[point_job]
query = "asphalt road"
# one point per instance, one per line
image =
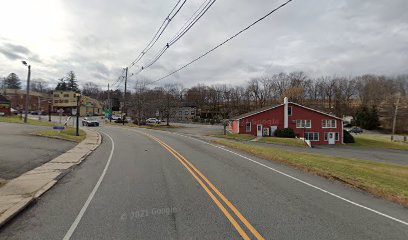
(21, 152)
(166, 186)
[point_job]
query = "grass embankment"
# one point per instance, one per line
(66, 134)
(242, 137)
(375, 141)
(389, 181)
(283, 141)
(273, 140)
(17, 119)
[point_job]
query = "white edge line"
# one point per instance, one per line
(91, 195)
(299, 180)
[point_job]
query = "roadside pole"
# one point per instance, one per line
(394, 121)
(124, 99)
(78, 95)
(49, 111)
(109, 106)
(27, 92)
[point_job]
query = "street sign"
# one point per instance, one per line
(74, 111)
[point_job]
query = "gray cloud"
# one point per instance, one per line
(18, 52)
(332, 37)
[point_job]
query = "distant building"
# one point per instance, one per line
(308, 123)
(67, 101)
(184, 114)
(38, 101)
(5, 106)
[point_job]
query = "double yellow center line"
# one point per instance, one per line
(201, 179)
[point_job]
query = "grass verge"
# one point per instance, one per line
(242, 137)
(374, 141)
(66, 134)
(17, 119)
(283, 141)
(389, 181)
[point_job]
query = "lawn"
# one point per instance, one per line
(17, 119)
(389, 181)
(377, 141)
(66, 134)
(242, 137)
(283, 141)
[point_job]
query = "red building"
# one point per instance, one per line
(313, 125)
(4, 106)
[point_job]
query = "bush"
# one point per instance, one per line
(347, 137)
(285, 133)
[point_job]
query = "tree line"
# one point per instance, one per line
(338, 95)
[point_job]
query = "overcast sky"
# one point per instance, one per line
(96, 38)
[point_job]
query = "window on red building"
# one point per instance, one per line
(248, 127)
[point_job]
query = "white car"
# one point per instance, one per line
(153, 120)
(115, 117)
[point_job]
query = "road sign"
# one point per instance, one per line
(74, 111)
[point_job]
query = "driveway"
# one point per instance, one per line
(21, 152)
(196, 129)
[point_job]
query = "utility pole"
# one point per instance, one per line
(27, 91)
(78, 95)
(109, 106)
(395, 118)
(124, 98)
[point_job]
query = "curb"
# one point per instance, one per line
(18, 193)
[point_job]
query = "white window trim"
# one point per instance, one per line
(250, 127)
(314, 140)
(310, 126)
(327, 120)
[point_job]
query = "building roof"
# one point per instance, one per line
(3, 99)
(248, 114)
(259, 110)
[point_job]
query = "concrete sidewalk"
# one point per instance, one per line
(21, 191)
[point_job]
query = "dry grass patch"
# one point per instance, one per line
(389, 181)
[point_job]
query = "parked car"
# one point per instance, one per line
(114, 117)
(356, 130)
(153, 120)
(90, 121)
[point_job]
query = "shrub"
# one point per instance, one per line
(285, 133)
(348, 138)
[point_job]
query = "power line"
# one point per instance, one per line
(183, 30)
(159, 32)
(224, 42)
(189, 26)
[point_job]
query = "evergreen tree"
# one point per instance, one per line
(71, 81)
(367, 118)
(12, 81)
(62, 85)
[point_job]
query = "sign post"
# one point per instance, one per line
(60, 111)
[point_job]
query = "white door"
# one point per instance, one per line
(273, 129)
(331, 137)
(259, 130)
